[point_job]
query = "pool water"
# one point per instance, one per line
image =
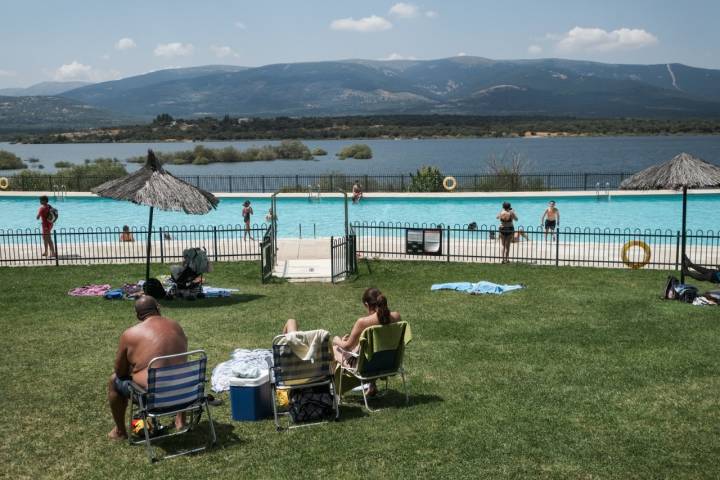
(326, 215)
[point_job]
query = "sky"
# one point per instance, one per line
(83, 40)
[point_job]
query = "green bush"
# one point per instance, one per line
(319, 152)
(201, 155)
(427, 179)
(10, 161)
(76, 178)
(63, 164)
(358, 151)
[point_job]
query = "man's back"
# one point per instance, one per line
(155, 337)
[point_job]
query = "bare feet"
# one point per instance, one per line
(117, 435)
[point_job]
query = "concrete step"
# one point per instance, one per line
(304, 270)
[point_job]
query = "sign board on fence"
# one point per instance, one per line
(423, 241)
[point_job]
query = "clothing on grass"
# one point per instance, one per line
(244, 363)
(478, 288)
(89, 291)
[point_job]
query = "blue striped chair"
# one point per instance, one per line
(172, 388)
(289, 372)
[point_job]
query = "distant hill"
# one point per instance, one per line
(459, 85)
(45, 113)
(44, 88)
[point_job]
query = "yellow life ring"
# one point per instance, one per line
(4, 183)
(636, 243)
(449, 183)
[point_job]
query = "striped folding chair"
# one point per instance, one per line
(290, 373)
(172, 388)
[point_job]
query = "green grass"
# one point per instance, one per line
(585, 374)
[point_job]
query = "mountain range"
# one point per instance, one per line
(42, 89)
(457, 85)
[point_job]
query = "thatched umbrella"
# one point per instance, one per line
(682, 172)
(156, 188)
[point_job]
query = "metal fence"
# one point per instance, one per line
(79, 246)
(343, 257)
(466, 182)
(267, 250)
(567, 247)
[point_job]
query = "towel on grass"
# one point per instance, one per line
(243, 363)
(214, 292)
(478, 288)
(89, 291)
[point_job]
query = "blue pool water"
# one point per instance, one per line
(632, 212)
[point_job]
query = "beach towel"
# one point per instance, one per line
(243, 363)
(89, 291)
(114, 294)
(305, 344)
(215, 292)
(478, 288)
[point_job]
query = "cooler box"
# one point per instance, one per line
(250, 398)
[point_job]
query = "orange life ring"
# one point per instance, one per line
(626, 258)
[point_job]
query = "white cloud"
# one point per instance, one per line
(461, 54)
(397, 56)
(78, 71)
(372, 23)
(7, 73)
(240, 25)
(222, 51)
(174, 49)
(581, 39)
(125, 44)
(431, 14)
(404, 10)
(535, 49)
(105, 56)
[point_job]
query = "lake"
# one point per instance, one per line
(452, 156)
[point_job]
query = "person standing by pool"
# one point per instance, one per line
(247, 211)
(126, 235)
(551, 219)
(47, 218)
(507, 229)
(356, 192)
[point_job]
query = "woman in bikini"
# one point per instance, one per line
(247, 211)
(378, 313)
(507, 229)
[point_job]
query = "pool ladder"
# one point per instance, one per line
(602, 192)
(59, 192)
(313, 193)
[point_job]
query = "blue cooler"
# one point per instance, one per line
(250, 398)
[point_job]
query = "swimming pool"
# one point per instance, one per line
(327, 217)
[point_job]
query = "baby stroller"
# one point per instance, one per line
(186, 280)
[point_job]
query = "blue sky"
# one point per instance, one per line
(99, 40)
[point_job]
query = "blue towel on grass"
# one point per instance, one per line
(476, 288)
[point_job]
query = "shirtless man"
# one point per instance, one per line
(154, 336)
(551, 219)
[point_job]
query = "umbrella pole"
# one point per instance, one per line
(149, 239)
(684, 234)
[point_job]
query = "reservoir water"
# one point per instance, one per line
(452, 156)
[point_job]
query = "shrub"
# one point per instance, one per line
(63, 164)
(359, 151)
(427, 179)
(319, 152)
(76, 177)
(10, 161)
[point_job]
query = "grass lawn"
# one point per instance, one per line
(586, 373)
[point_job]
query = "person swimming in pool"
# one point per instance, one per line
(699, 272)
(507, 229)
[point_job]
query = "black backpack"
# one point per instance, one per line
(154, 288)
(311, 404)
(674, 290)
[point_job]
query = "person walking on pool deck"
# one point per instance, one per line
(378, 313)
(551, 219)
(507, 229)
(47, 221)
(247, 211)
(700, 273)
(154, 336)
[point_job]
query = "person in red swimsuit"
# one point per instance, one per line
(47, 226)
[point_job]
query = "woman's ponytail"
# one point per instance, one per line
(375, 300)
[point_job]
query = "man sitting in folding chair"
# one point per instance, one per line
(154, 336)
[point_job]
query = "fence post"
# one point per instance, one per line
(215, 243)
(585, 182)
(448, 243)
(263, 184)
(557, 248)
(162, 246)
(57, 254)
(677, 249)
(331, 182)
(297, 183)
(402, 182)
(332, 259)
(365, 185)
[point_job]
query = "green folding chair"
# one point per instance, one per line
(380, 356)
